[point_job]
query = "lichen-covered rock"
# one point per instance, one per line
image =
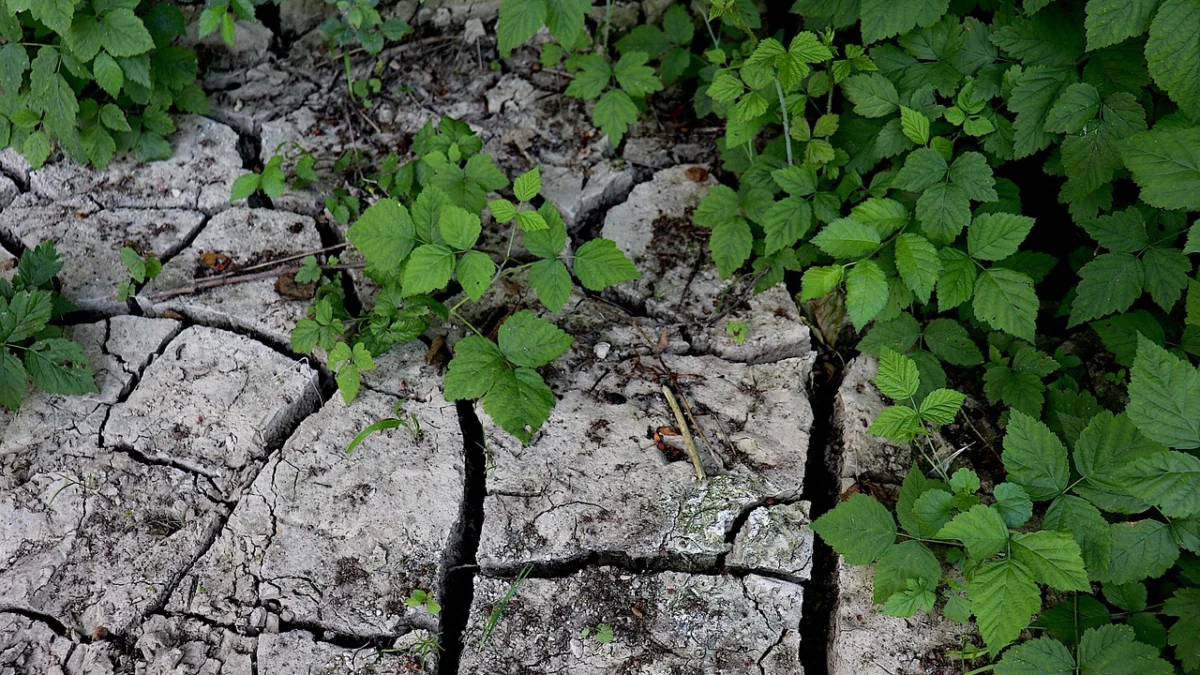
(89, 241)
(171, 645)
(660, 623)
(775, 539)
(214, 404)
(198, 175)
(340, 540)
(232, 240)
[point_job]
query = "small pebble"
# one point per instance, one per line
(601, 350)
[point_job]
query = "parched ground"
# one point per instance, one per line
(200, 515)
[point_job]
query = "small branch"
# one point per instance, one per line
(683, 429)
(218, 282)
(783, 111)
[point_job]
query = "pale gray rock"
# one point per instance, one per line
(775, 539)
(661, 623)
(770, 325)
(171, 645)
(89, 241)
(446, 13)
(251, 43)
(214, 404)
(297, 17)
(865, 641)
(580, 194)
(298, 651)
(29, 647)
(245, 99)
(197, 176)
(14, 165)
(654, 9)
(8, 191)
(340, 540)
(513, 89)
(247, 237)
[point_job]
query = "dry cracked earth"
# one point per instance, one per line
(200, 516)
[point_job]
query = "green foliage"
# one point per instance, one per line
(97, 78)
(31, 346)
(141, 269)
(421, 235)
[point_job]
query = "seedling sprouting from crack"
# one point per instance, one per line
(142, 268)
(602, 633)
(499, 608)
(423, 598)
(409, 421)
(737, 330)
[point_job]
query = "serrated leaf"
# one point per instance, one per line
(1173, 52)
(122, 33)
(108, 74)
(1041, 656)
(1086, 525)
(1119, 232)
(600, 264)
(897, 377)
(635, 76)
(995, 236)
(520, 402)
(1168, 480)
(981, 530)
(956, 284)
(1033, 92)
(918, 596)
(1053, 557)
(898, 423)
(1109, 283)
(914, 486)
(950, 342)
(1165, 163)
(944, 211)
(552, 283)
(1166, 271)
(799, 180)
(384, 233)
(1003, 598)
(1130, 597)
(429, 269)
(1140, 550)
(818, 281)
(972, 173)
(592, 78)
(882, 19)
(923, 168)
(1112, 650)
(475, 271)
(1111, 21)
(1185, 606)
(12, 380)
(476, 366)
(519, 20)
(918, 263)
(531, 221)
(1034, 457)
(614, 113)
(530, 341)
(847, 238)
(1013, 504)
(548, 242)
(786, 222)
(721, 203)
(1075, 107)
(866, 292)
(885, 215)
(1164, 397)
(932, 510)
(859, 529)
(941, 406)
(60, 367)
(730, 244)
(528, 185)
(915, 125)
(902, 562)
(1006, 301)
(873, 94)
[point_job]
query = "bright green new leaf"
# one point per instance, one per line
(786, 222)
(552, 283)
(915, 125)
(528, 185)
(866, 292)
(520, 402)
(548, 242)
(859, 529)
(819, 281)
(530, 341)
(1003, 597)
(918, 263)
(600, 264)
(531, 221)
(476, 366)
(847, 238)
(981, 530)
(475, 271)
(1164, 397)
(503, 211)
(897, 377)
(429, 269)
(384, 233)
(898, 423)
(941, 406)
(1053, 557)
(885, 215)
(1005, 300)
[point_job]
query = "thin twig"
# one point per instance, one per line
(280, 261)
(712, 452)
(683, 429)
(218, 282)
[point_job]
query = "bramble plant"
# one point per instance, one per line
(31, 347)
(421, 235)
(141, 269)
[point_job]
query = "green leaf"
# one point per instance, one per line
(531, 221)
(1111, 21)
(950, 342)
(872, 94)
(552, 283)
(1034, 457)
(384, 233)
(1041, 656)
(592, 78)
(885, 215)
(1109, 283)
(918, 596)
(25, 315)
(944, 211)
(59, 367)
(786, 222)
(429, 269)
(1166, 275)
(36, 149)
(847, 238)
(1112, 650)
(1086, 525)
(972, 173)
(1130, 597)
(941, 406)
(614, 113)
(124, 34)
(634, 76)
(476, 366)
(897, 377)
(1168, 480)
(981, 530)
(915, 125)
(798, 180)
(482, 171)
(731, 244)
(1164, 397)
(902, 562)
(98, 145)
(565, 19)
(1013, 503)
(1140, 550)
(898, 423)
(475, 271)
(1034, 90)
(113, 118)
(1119, 232)
(866, 292)
(1006, 301)
(1105, 446)
(530, 341)
(520, 402)
(1165, 163)
(1173, 51)
(12, 380)
(528, 185)
(246, 185)
(923, 168)
(915, 485)
(819, 281)
(918, 263)
(995, 236)
(503, 211)
(1003, 597)
(56, 14)
(859, 529)
(956, 284)
(1185, 606)
(1075, 107)
(726, 87)
(883, 19)
(1053, 557)
(600, 264)
(460, 228)
(108, 74)
(719, 205)
(933, 509)
(548, 242)
(519, 20)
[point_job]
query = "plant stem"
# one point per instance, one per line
(787, 129)
(985, 669)
(466, 323)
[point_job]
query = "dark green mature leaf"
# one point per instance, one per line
(519, 20)
(882, 19)
(1165, 163)
(1069, 619)
(476, 366)
(786, 222)
(972, 173)
(1119, 232)
(551, 281)
(1074, 108)
(12, 380)
(520, 402)
(59, 366)
(956, 284)
(25, 315)
(1042, 656)
(1112, 650)
(914, 485)
(873, 94)
(1164, 397)
(1003, 598)
(918, 263)
(731, 244)
(1006, 301)
(475, 271)
(1087, 526)
(1013, 503)
(1120, 333)
(981, 530)
(923, 168)
(1105, 447)
(1034, 457)
(1185, 606)
(944, 211)
(614, 113)
(528, 340)
(906, 560)
(1111, 21)
(429, 269)
(1169, 480)
(899, 334)
(1140, 550)
(950, 342)
(996, 236)
(932, 510)
(859, 529)
(1053, 557)
(1130, 597)
(1173, 51)
(885, 215)
(1110, 283)
(1034, 90)
(1167, 272)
